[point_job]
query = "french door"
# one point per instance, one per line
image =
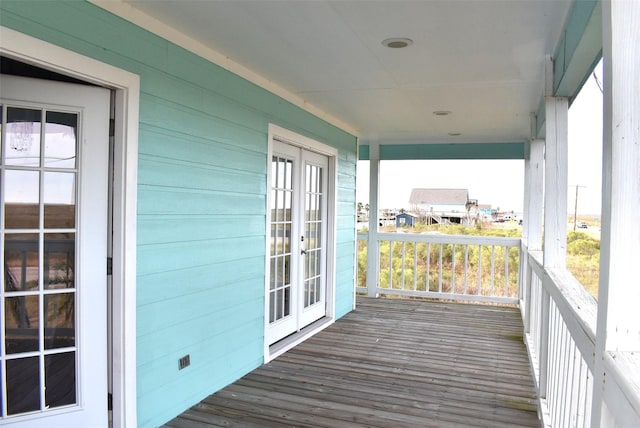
(297, 274)
(53, 238)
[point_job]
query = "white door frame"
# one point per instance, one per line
(126, 85)
(298, 140)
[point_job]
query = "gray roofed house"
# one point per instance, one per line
(439, 196)
(441, 205)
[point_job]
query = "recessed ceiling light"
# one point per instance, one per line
(442, 112)
(397, 42)
(455, 134)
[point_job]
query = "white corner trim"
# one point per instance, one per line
(34, 51)
(155, 26)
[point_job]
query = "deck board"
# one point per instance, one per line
(390, 363)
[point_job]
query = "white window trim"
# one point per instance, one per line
(282, 134)
(127, 89)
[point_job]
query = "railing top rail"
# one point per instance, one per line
(449, 239)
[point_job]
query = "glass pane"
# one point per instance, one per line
(274, 204)
(272, 274)
(287, 238)
(287, 302)
(273, 240)
(22, 145)
(60, 379)
(287, 205)
(280, 178)
(59, 322)
(21, 324)
(22, 196)
(59, 200)
(279, 303)
(59, 260)
(279, 272)
(60, 134)
(289, 171)
(20, 262)
(23, 385)
(287, 268)
(272, 306)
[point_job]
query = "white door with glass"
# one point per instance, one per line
(53, 229)
(297, 286)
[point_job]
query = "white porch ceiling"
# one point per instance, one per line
(483, 60)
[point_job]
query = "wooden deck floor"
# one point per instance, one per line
(390, 363)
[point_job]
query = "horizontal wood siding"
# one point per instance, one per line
(201, 202)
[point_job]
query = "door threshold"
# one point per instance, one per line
(283, 345)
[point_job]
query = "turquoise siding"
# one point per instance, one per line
(201, 202)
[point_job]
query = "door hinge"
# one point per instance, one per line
(112, 127)
(109, 401)
(109, 265)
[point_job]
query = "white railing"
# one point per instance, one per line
(560, 324)
(460, 267)
(559, 315)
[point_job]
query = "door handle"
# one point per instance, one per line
(303, 252)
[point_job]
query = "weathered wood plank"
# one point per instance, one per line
(400, 363)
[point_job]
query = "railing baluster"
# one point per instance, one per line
(428, 279)
(506, 271)
(493, 267)
(415, 266)
(544, 342)
(453, 268)
(479, 269)
(440, 270)
(391, 244)
(466, 263)
(402, 266)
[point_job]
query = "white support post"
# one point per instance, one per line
(536, 195)
(373, 251)
(555, 167)
(618, 327)
(535, 192)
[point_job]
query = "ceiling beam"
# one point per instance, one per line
(514, 150)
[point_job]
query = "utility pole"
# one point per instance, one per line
(575, 208)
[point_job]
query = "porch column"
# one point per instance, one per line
(618, 328)
(555, 175)
(535, 190)
(555, 208)
(373, 253)
(532, 226)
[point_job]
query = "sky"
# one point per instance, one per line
(500, 183)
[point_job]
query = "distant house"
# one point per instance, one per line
(406, 219)
(484, 211)
(441, 205)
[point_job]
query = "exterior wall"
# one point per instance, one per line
(408, 220)
(201, 202)
(443, 208)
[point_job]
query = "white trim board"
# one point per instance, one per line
(155, 26)
(126, 85)
(284, 135)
